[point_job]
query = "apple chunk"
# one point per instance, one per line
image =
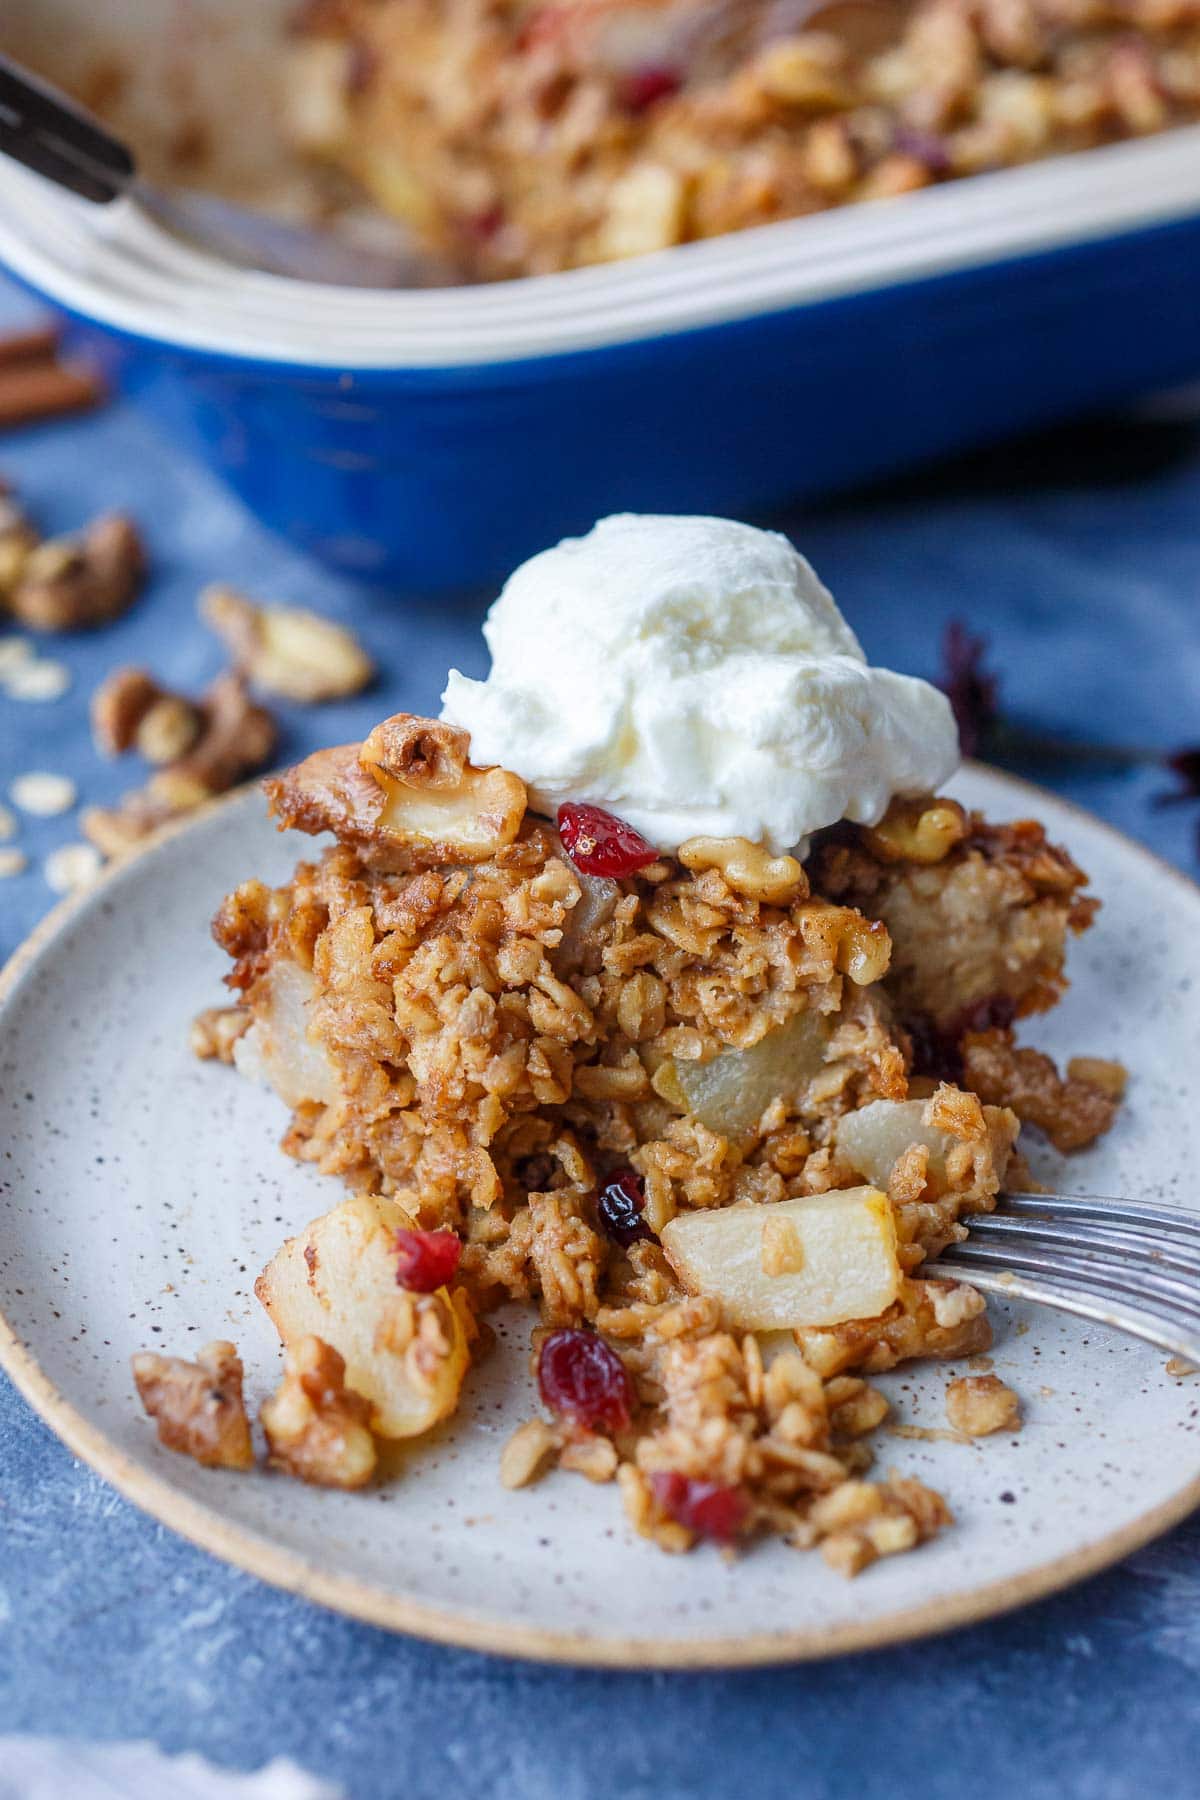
(873, 1138)
(833, 1258)
(406, 1353)
(277, 1049)
(731, 1093)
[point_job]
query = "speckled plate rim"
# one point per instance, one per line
(257, 1555)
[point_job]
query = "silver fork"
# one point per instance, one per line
(1131, 1266)
(58, 139)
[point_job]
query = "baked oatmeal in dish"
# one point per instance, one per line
(654, 987)
(521, 136)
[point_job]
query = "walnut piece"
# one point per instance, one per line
(285, 650)
(748, 869)
(316, 1426)
(198, 1407)
(419, 753)
(130, 711)
(69, 583)
(406, 799)
(981, 1404)
(235, 737)
(920, 831)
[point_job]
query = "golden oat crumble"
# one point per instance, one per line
(488, 1039)
(516, 137)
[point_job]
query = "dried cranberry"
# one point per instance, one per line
(485, 223)
(708, 1508)
(642, 87)
(937, 1049)
(584, 1380)
(622, 1200)
(926, 146)
(600, 844)
(426, 1260)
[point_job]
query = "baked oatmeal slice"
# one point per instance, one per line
(647, 1103)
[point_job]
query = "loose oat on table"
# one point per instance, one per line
(36, 678)
(71, 867)
(42, 793)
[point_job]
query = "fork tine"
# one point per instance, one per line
(1178, 1222)
(1127, 1241)
(1162, 1330)
(1124, 1263)
(1093, 1268)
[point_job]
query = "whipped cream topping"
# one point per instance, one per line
(694, 676)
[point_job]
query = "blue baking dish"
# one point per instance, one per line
(433, 438)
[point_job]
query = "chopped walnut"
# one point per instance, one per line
(286, 650)
(748, 869)
(131, 711)
(405, 799)
(66, 584)
(981, 1404)
(235, 737)
(920, 831)
(317, 1428)
(198, 1407)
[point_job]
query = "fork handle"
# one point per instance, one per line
(50, 134)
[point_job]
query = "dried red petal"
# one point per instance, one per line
(708, 1508)
(599, 843)
(970, 686)
(583, 1379)
(620, 1205)
(426, 1260)
(643, 87)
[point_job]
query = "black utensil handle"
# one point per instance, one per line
(50, 134)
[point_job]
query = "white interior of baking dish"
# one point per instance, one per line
(206, 72)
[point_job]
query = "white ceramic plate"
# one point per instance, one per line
(142, 1191)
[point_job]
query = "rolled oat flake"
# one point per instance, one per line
(72, 866)
(37, 680)
(43, 793)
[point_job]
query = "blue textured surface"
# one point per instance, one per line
(1081, 558)
(439, 477)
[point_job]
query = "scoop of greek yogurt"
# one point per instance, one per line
(695, 677)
